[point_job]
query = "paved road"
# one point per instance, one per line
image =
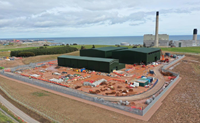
(8, 116)
(16, 111)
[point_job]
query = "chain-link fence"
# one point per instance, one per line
(28, 106)
(72, 92)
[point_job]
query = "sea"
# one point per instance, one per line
(113, 40)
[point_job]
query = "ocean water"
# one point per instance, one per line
(105, 40)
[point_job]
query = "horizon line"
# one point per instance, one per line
(90, 37)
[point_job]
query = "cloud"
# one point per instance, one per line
(43, 15)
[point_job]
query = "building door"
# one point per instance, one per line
(156, 58)
(179, 44)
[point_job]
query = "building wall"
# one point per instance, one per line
(130, 57)
(152, 57)
(92, 53)
(152, 37)
(186, 43)
(160, 43)
(90, 65)
(98, 53)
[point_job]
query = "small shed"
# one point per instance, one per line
(142, 82)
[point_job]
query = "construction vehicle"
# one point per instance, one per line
(163, 59)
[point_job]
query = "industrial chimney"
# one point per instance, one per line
(195, 35)
(156, 33)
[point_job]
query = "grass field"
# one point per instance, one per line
(4, 118)
(174, 49)
(77, 46)
(183, 49)
(39, 94)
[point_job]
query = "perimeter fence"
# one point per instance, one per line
(81, 95)
(73, 92)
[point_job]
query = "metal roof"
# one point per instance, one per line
(110, 48)
(142, 50)
(87, 58)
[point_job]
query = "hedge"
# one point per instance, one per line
(26, 54)
(44, 51)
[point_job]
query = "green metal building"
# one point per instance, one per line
(103, 52)
(137, 55)
(98, 64)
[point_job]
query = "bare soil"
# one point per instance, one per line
(25, 61)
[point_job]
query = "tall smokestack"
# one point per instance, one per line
(156, 33)
(195, 35)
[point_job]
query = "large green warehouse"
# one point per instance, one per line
(137, 55)
(103, 52)
(98, 64)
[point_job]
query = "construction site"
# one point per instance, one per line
(134, 85)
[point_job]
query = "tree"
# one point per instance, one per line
(93, 46)
(118, 45)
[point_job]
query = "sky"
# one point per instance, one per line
(96, 18)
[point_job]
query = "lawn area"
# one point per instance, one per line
(16, 48)
(4, 118)
(96, 46)
(174, 49)
(183, 49)
(10, 48)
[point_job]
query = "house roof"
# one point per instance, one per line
(87, 58)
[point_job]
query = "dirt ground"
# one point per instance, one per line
(25, 61)
(181, 105)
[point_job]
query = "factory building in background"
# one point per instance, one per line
(157, 39)
(162, 40)
(149, 40)
(188, 43)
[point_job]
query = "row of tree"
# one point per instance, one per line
(43, 51)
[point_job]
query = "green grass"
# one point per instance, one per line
(14, 48)
(96, 46)
(39, 94)
(183, 49)
(77, 46)
(174, 49)
(4, 118)
(10, 113)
